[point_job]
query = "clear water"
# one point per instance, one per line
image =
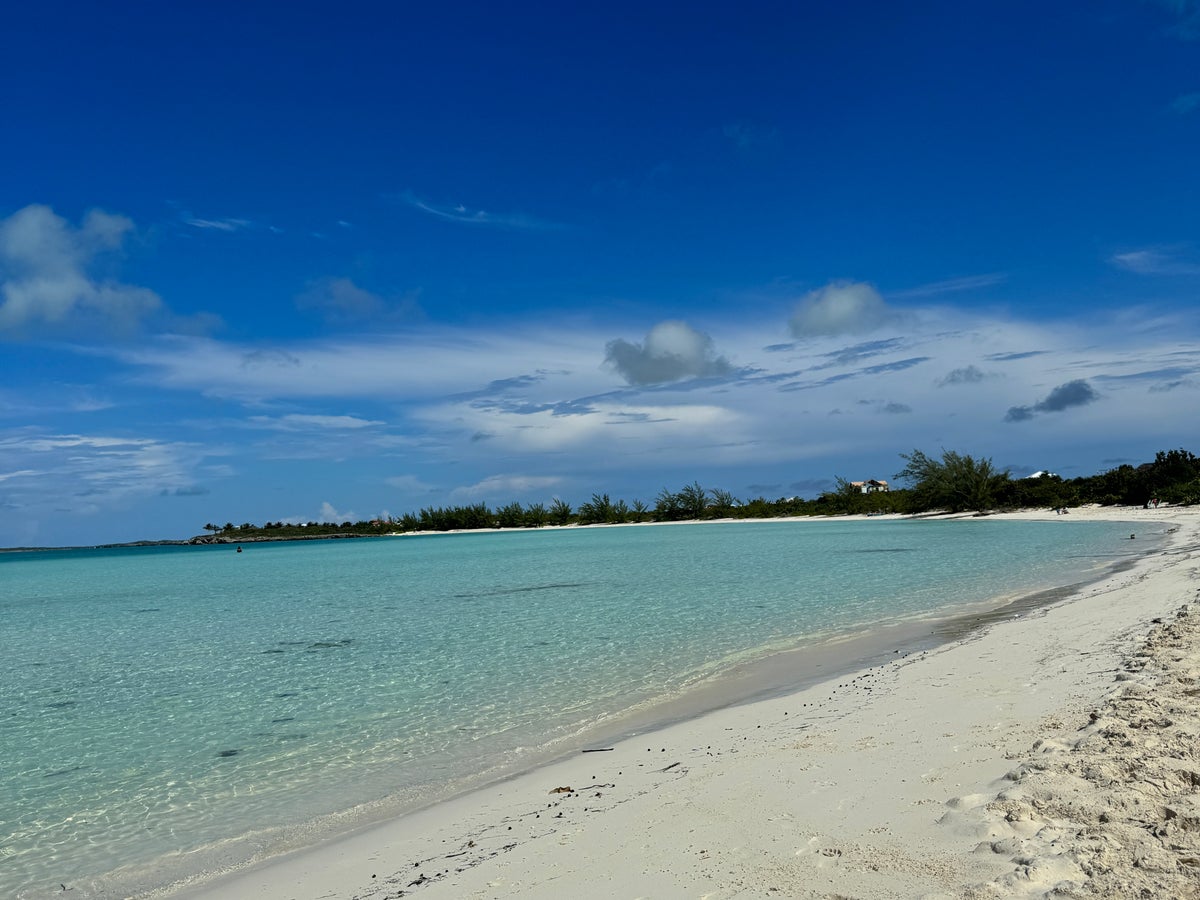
(155, 701)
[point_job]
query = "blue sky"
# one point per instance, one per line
(327, 261)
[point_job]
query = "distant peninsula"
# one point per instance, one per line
(953, 482)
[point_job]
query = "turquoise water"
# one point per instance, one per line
(156, 701)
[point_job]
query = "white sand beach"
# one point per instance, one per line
(1052, 753)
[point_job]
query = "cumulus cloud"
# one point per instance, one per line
(671, 351)
(841, 307)
(966, 375)
(1065, 396)
(340, 298)
(330, 514)
(342, 302)
(46, 271)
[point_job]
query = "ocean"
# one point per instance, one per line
(165, 710)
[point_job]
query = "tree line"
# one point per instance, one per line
(951, 482)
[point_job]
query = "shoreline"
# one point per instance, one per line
(514, 838)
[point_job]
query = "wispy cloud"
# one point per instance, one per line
(1172, 260)
(415, 364)
(858, 352)
(20, 473)
(412, 484)
(951, 286)
(466, 215)
(303, 422)
(194, 490)
(226, 225)
(1186, 14)
(746, 136)
(55, 470)
(506, 486)
(1015, 355)
(1166, 386)
(898, 365)
(1185, 104)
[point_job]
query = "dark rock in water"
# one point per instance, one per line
(62, 772)
(229, 753)
(330, 645)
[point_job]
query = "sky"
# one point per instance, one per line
(327, 262)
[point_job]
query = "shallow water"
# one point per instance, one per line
(159, 700)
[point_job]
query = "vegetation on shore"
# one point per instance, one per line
(954, 482)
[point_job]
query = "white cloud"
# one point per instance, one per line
(1157, 261)
(409, 483)
(487, 409)
(58, 469)
(606, 434)
(304, 422)
(419, 363)
(330, 514)
(45, 276)
(672, 350)
(226, 225)
(21, 473)
(841, 307)
(505, 487)
(471, 216)
(952, 286)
